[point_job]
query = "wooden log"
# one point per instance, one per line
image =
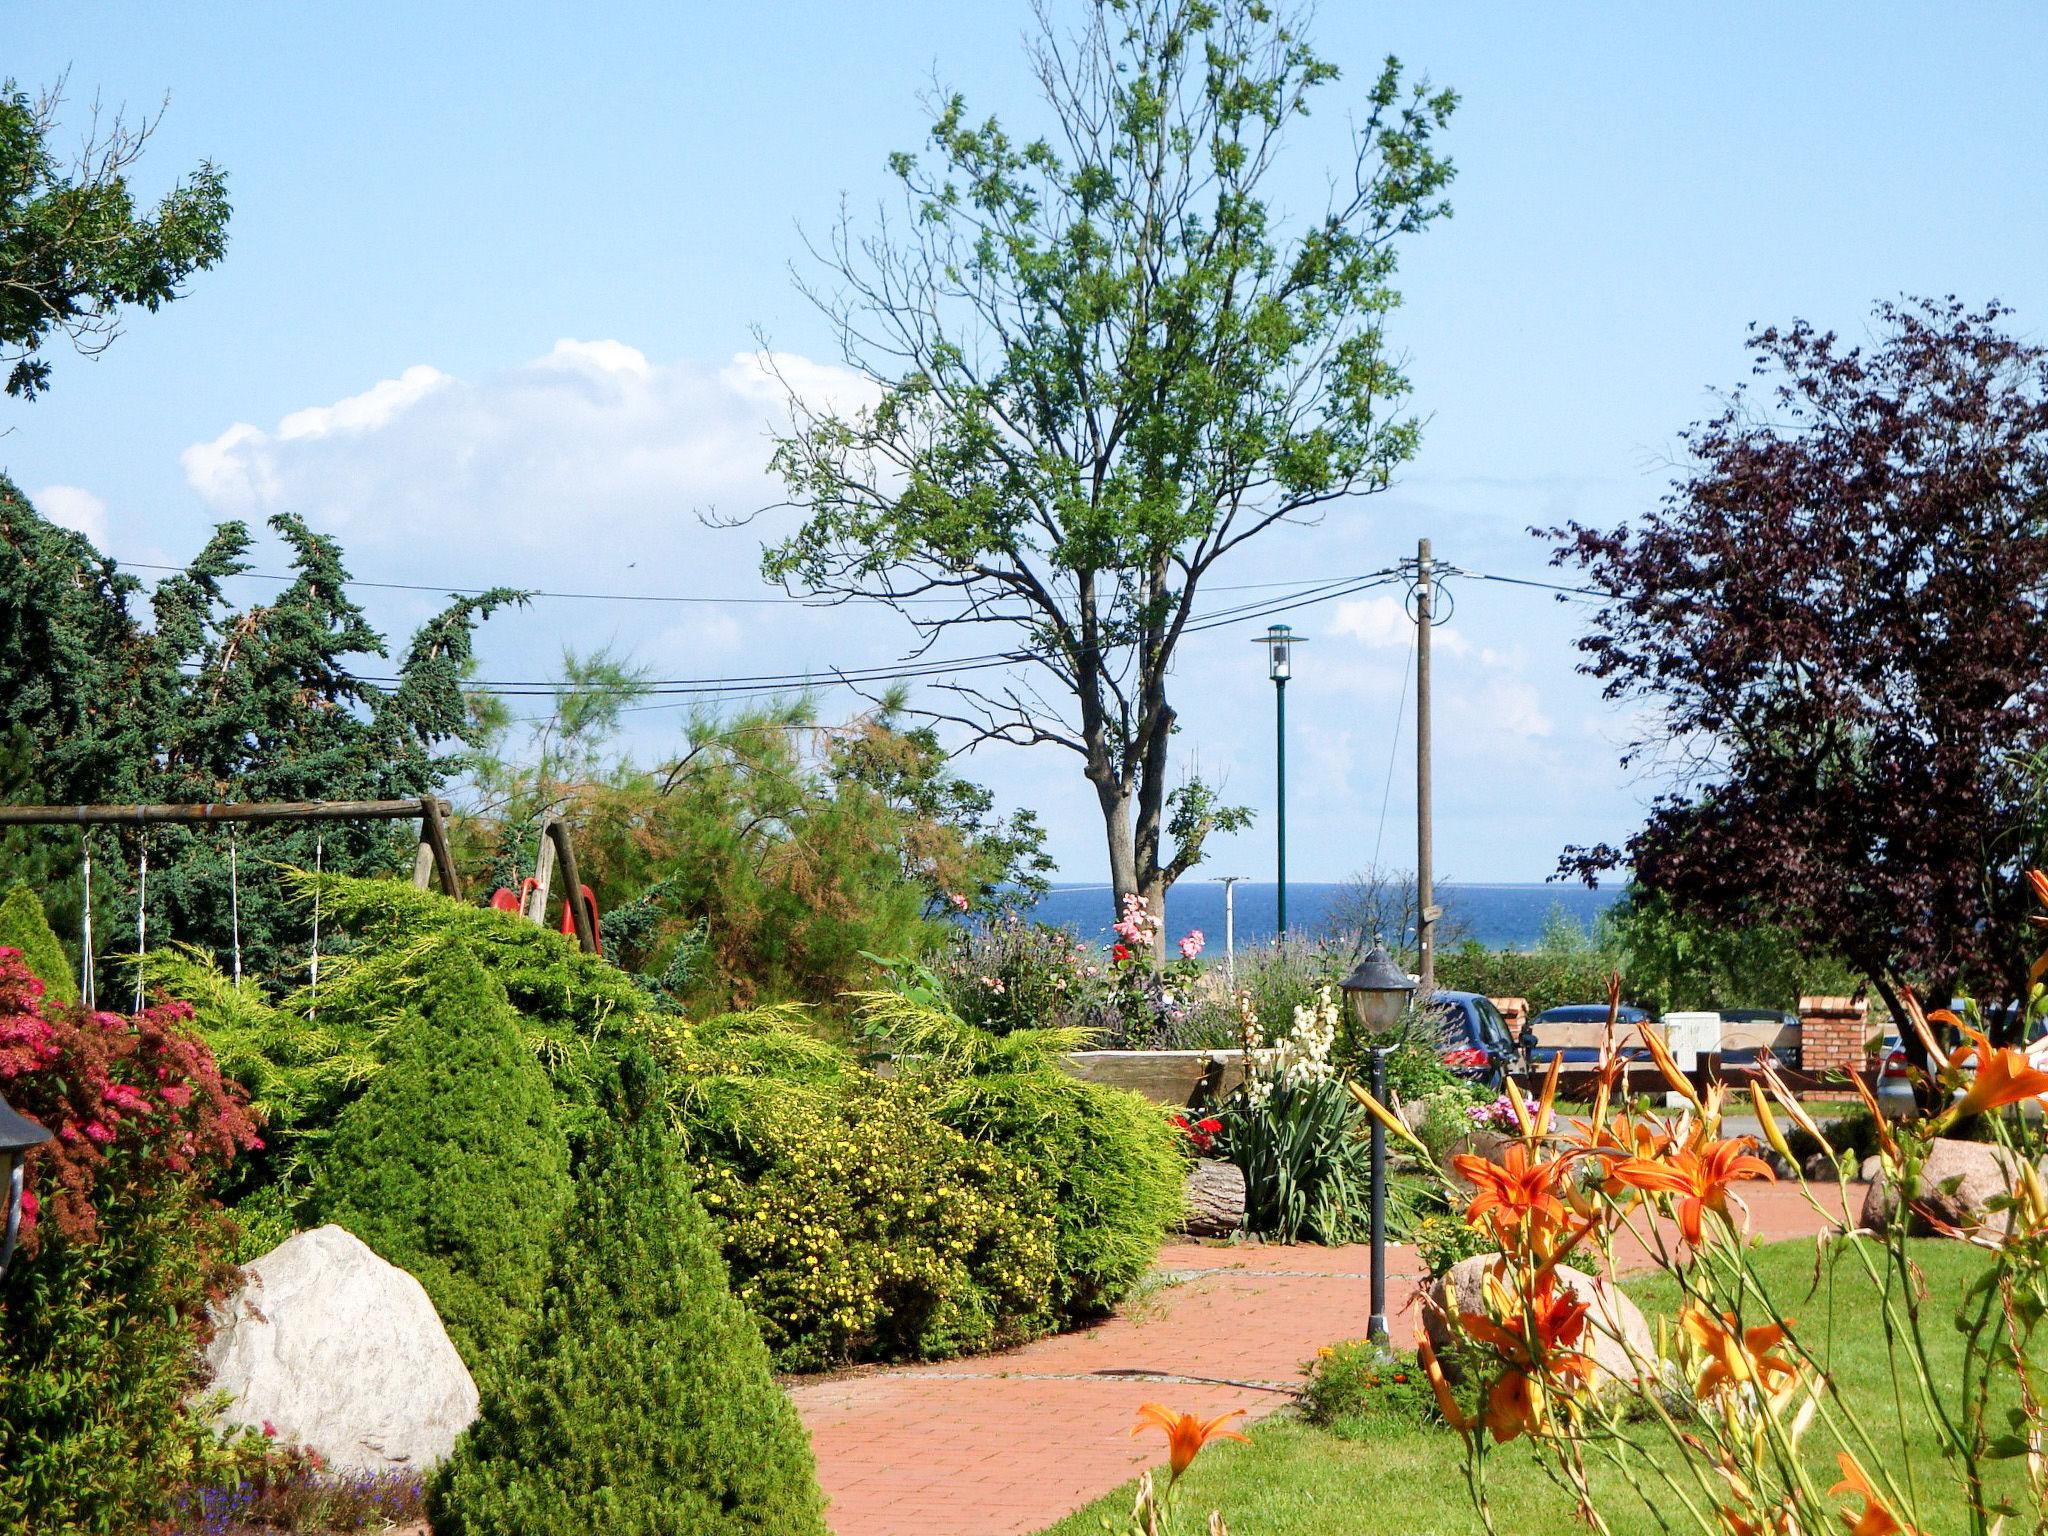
(1215, 1199)
(436, 833)
(579, 910)
(214, 811)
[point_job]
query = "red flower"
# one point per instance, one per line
(1118, 954)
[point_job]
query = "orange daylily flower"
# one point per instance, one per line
(1186, 1433)
(1876, 1519)
(1446, 1402)
(1623, 1139)
(1737, 1359)
(1533, 1335)
(2004, 1076)
(1668, 1065)
(1513, 1192)
(1699, 1175)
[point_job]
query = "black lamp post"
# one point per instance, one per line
(1377, 994)
(17, 1134)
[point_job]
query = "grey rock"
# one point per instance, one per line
(1958, 1181)
(342, 1353)
(1215, 1199)
(1617, 1334)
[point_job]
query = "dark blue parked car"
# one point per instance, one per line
(1588, 1056)
(1477, 1043)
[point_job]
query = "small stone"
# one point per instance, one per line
(333, 1349)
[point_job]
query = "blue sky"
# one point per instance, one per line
(488, 311)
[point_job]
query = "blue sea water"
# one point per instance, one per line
(1498, 916)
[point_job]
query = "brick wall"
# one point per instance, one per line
(1515, 1010)
(1834, 1033)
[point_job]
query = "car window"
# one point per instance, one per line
(1492, 1027)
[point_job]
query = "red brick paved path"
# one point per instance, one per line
(1005, 1445)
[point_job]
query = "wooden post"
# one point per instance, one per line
(437, 839)
(423, 861)
(543, 875)
(579, 911)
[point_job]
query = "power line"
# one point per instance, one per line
(1524, 581)
(801, 600)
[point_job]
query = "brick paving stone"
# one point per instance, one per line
(1004, 1445)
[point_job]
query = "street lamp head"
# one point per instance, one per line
(1279, 641)
(1377, 992)
(18, 1134)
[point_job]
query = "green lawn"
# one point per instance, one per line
(1297, 1480)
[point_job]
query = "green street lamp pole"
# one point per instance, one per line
(1280, 641)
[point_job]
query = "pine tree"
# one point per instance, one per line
(24, 926)
(641, 1404)
(453, 1165)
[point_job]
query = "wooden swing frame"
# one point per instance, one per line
(435, 858)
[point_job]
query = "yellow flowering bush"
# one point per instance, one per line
(857, 1227)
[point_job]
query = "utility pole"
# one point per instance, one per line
(1230, 926)
(1427, 912)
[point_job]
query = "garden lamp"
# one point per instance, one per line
(1377, 992)
(17, 1134)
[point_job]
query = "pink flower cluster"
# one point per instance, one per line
(1191, 944)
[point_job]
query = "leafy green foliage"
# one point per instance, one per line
(770, 856)
(1306, 1162)
(202, 703)
(1110, 1160)
(452, 1165)
(858, 1227)
(641, 1402)
(577, 1012)
(75, 249)
(1677, 960)
(1104, 360)
(24, 927)
(1358, 1388)
(1568, 965)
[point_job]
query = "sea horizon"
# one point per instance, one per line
(1501, 914)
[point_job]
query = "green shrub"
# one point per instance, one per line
(24, 926)
(1852, 1134)
(641, 1403)
(452, 1165)
(1360, 1388)
(857, 1227)
(1306, 1161)
(1442, 1238)
(1110, 1159)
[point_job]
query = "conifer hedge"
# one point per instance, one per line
(640, 1404)
(24, 926)
(453, 1164)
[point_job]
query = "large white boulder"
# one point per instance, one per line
(1958, 1182)
(336, 1350)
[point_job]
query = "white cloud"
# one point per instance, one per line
(1384, 623)
(591, 457)
(74, 507)
(377, 406)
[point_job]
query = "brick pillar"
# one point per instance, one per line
(1834, 1034)
(1515, 1010)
